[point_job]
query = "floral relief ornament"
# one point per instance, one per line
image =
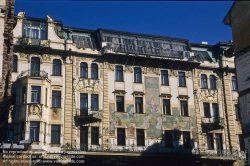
(35, 110)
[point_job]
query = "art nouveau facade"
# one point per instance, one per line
(111, 93)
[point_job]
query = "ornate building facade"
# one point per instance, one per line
(123, 98)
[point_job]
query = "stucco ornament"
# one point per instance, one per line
(35, 109)
(128, 68)
(208, 95)
(26, 56)
(173, 72)
(111, 66)
(21, 14)
(156, 71)
(46, 57)
(49, 18)
(88, 85)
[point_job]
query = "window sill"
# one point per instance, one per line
(138, 82)
(185, 116)
(164, 84)
(182, 86)
(120, 112)
(167, 115)
(235, 90)
(55, 144)
(56, 75)
(15, 72)
(119, 81)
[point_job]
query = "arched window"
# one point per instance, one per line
(35, 66)
(84, 70)
(212, 82)
(57, 67)
(94, 71)
(203, 81)
(14, 65)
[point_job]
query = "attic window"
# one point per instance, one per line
(84, 41)
(35, 30)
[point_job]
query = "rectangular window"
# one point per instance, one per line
(94, 102)
(120, 103)
(215, 110)
(219, 145)
(35, 94)
(168, 139)
(140, 137)
(186, 139)
(44, 136)
(55, 134)
(121, 137)
(137, 75)
(203, 81)
(56, 99)
(11, 132)
(210, 141)
(84, 135)
(83, 104)
(184, 108)
(95, 135)
(34, 131)
(166, 107)
(24, 95)
(164, 77)
(234, 83)
(119, 73)
(182, 79)
(138, 105)
(212, 82)
(46, 93)
(35, 30)
(237, 113)
(241, 142)
(207, 113)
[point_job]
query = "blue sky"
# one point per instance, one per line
(192, 20)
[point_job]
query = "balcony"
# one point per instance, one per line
(33, 73)
(86, 116)
(212, 122)
(34, 42)
(148, 51)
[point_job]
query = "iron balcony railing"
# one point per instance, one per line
(34, 42)
(87, 112)
(33, 73)
(212, 120)
(149, 51)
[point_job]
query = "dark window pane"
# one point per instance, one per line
(166, 107)
(140, 137)
(83, 104)
(14, 65)
(207, 113)
(186, 139)
(56, 67)
(94, 71)
(56, 99)
(119, 103)
(184, 108)
(84, 135)
(55, 134)
(34, 131)
(94, 102)
(203, 81)
(234, 83)
(119, 73)
(138, 105)
(212, 82)
(137, 74)
(164, 77)
(84, 70)
(215, 110)
(182, 79)
(168, 139)
(94, 135)
(121, 137)
(35, 94)
(210, 142)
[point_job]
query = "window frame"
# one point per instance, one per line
(139, 105)
(207, 113)
(35, 66)
(204, 83)
(37, 96)
(140, 137)
(120, 104)
(185, 108)
(234, 83)
(94, 98)
(119, 73)
(168, 135)
(15, 63)
(36, 132)
(210, 141)
(212, 80)
(54, 134)
(57, 67)
(217, 111)
(137, 75)
(94, 71)
(95, 136)
(121, 137)
(56, 96)
(39, 29)
(164, 76)
(182, 79)
(166, 106)
(83, 70)
(186, 143)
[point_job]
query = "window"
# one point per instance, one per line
(83, 104)
(46, 95)
(210, 142)
(121, 137)
(95, 135)
(84, 135)
(94, 102)
(14, 65)
(140, 137)
(137, 75)
(164, 77)
(168, 139)
(56, 99)
(219, 145)
(35, 30)
(34, 131)
(44, 134)
(207, 113)
(234, 83)
(119, 73)
(215, 110)
(184, 108)
(35, 66)
(138, 105)
(84, 70)
(94, 71)
(24, 95)
(186, 139)
(35, 94)
(212, 82)
(120, 103)
(11, 132)
(57, 67)
(55, 134)
(166, 107)
(241, 142)
(203, 81)
(237, 114)
(182, 79)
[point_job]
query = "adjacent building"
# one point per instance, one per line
(238, 19)
(123, 98)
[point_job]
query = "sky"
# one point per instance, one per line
(193, 20)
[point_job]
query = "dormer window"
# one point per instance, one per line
(35, 30)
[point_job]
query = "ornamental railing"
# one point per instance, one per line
(34, 42)
(148, 51)
(87, 112)
(213, 120)
(33, 73)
